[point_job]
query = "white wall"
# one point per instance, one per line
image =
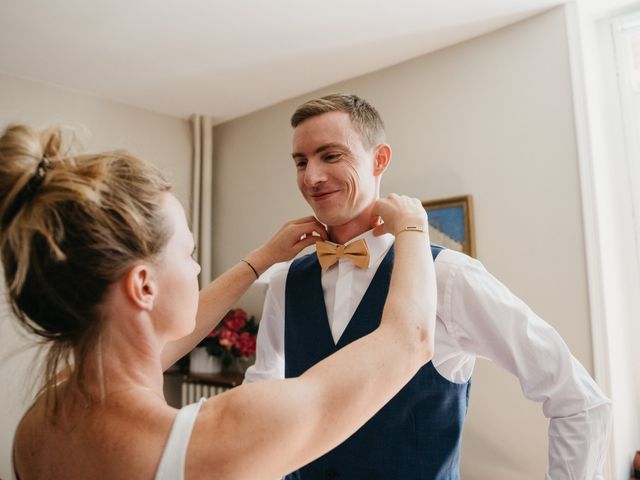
(164, 140)
(491, 117)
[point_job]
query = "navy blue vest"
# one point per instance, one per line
(417, 434)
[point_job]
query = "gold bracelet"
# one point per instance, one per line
(412, 228)
(251, 266)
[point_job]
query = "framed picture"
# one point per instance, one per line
(451, 223)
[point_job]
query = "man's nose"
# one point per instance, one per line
(314, 173)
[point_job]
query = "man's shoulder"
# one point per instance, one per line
(304, 260)
(280, 271)
(448, 260)
(448, 255)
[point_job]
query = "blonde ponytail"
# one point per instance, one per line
(82, 222)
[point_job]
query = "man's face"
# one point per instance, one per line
(335, 171)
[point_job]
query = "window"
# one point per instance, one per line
(606, 71)
(626, 33)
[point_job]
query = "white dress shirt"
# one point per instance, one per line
(477, 316)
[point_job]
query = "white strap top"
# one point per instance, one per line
(172, 462)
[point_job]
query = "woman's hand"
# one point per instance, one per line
(220, 295)
(290, 240)
(398, 212)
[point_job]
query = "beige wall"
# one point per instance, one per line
(164, 140)
(491, 117)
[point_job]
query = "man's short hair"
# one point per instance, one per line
(364, 117)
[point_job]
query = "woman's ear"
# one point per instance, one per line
(381, 159)
(141, 287)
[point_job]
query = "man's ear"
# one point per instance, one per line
(382, 157)
(140, 287)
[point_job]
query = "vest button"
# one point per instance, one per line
(331, 474)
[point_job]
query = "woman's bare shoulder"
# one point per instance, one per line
(84, 444)
(30, 441)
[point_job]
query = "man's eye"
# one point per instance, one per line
(300, 164)
(332, 156)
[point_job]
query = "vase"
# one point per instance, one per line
(239, 365)
(201, 362)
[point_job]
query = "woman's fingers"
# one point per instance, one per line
(306, 242)
(292, 237)
(397, 212)
(307, 227)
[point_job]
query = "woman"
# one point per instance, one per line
(97, 259)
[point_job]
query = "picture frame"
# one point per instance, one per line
(451, 223)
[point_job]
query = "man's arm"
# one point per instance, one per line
(270, 342)
(490, 321)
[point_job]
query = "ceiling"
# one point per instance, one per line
(226, 58)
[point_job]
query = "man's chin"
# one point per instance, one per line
(322, 216)
(334, 222)
(332, 218)
(328, 220)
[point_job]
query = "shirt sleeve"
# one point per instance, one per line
(270, 341)
(491, 322)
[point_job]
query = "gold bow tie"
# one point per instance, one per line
(329, 253)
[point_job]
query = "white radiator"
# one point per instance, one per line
(194, 391)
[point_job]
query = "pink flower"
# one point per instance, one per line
(246, 344)
(228, 338)
(240, 313)
(234, 337)
(234, 323)
(236, 319)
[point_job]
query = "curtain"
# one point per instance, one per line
(202, 193)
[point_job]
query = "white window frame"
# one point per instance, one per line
(609, 157)
(623, 29)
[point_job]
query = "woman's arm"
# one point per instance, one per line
(268, 429)
(220, 295)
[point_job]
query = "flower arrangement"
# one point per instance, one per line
(234, 337)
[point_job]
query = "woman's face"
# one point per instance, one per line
(176, 303)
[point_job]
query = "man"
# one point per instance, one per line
(316, 307)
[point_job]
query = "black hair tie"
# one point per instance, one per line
(28, 191)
